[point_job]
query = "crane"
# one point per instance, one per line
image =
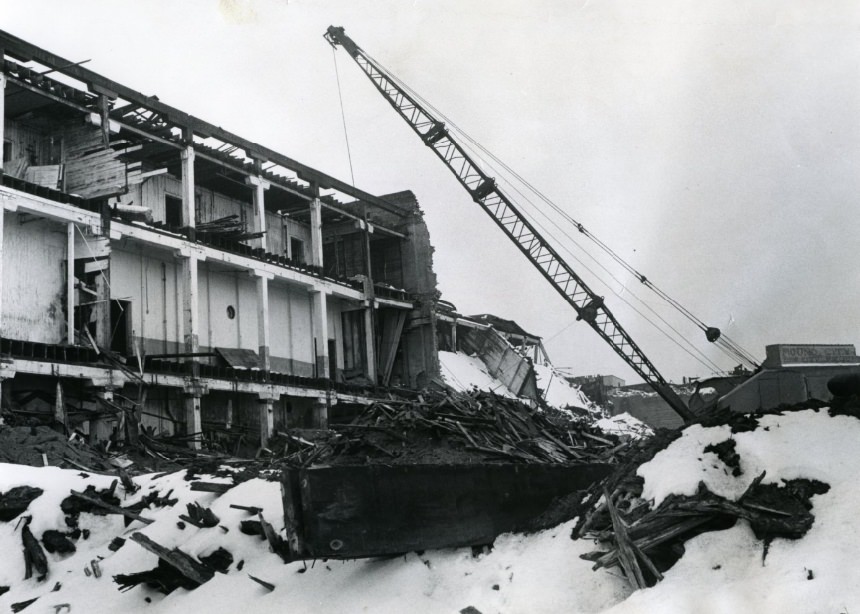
(589, 307)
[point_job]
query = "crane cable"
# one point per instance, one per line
(343, 117)
(726, 344)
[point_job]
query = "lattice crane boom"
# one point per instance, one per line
(483, 189)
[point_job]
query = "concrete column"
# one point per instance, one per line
(70, 283)
(2, 111)
(370, 343)
(320, 318)
(193, 420)
(267, 420)
(188, 198)
(190, 299)
(258, 223)
(263, 321)
(320, 415)
(101, 308)
(316, 233)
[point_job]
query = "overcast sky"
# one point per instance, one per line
(714, 145)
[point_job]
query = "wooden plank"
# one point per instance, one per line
(626, 554)
(211, 487)
(112, 508)
(291, 497)
(187, 566)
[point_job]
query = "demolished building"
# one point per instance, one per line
(159, 269)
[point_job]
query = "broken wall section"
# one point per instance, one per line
(503, 362)
(417, 361)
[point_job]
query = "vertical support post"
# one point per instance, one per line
(188, 199)
(320, 415)
(267, 420)
(70, 283)
(193, 417)
(454, 335)
(263, 321)
(316, 232)
(2, 111)
(260, 186)
(369, 345)
(101, 308)
(320, 318)
(193, 420)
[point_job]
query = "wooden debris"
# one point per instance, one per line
(199, 516)
(276, 543)
(16, 500)
(55, 541)
(34, 556)
(626, 554)
(211, 487)
(268, 585)
(184, 564)
(111, 508)
(469, 427)
(17, 607)
(249, 509)
(645, 541)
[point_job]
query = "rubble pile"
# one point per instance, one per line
(38, 446)
(645, 539)
(452, 428)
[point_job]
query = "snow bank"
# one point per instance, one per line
(464, 373)
(726, 571)
(537, 573)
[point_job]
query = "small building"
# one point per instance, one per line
(161, 270)
(597, 387)
(792, 373)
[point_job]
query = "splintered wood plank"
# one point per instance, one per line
(112, 508)
(626, 554)
(183, 563)
(211, 487)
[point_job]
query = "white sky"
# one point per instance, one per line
(714, 145)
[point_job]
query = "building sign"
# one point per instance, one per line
(783, 355)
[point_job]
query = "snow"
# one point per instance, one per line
(520, 574)
(720, 572)
(464, 373)
(624, 424)
(724, 571)
(557, 391)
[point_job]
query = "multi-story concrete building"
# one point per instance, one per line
(160, 270)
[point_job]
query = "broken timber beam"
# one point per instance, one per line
(113, 508)
(211, 487)
(185, 564)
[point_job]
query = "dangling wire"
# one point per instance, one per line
(343, 116)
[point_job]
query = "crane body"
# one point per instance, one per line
(483, 189)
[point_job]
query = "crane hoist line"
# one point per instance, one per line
(590, 308)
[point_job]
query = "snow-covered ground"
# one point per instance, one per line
(722, 571)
